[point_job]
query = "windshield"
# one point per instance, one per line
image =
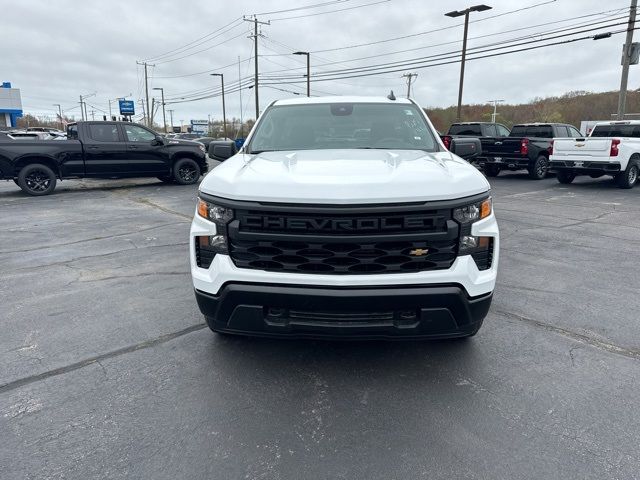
(342, 125)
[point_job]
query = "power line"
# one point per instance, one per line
(306, 7)
(189, 45)
(332, 11)
(419, 60)
(200, 51)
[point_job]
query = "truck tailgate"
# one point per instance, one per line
(505, 146)
(588, 147)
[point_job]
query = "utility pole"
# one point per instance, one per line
(495, 109)
(171, 115)
(308, 71)
(224, 112)
(409, 77)
(255, 59)
(83, 105)
(240, 92)
(146, 89)
(622, 97)
(93, 115)
(475, 8)
(59, 114)
(144, 113)
(152, 112)
(81, 109)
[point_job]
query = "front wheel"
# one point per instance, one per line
(629, 177)
(539, 169)
(565, 177)
(491, 170)
(37, 179)
(186, 171)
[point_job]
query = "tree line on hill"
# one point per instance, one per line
(572, 108)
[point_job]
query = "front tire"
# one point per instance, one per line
(37, 179)
(539, 169)
(629, 177)
(565, 177)
(491, 170)
(186, 171)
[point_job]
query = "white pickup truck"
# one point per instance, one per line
(613, 148)
(345, 217)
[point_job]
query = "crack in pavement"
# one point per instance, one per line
(579, 337)
(90, 239)
(149, 203)
(7, 387)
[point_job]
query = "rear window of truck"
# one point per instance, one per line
(541, 131)
(632, 131)
(471, 129)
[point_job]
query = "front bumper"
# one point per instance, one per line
(437, 311)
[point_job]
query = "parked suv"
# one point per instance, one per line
(345, 217)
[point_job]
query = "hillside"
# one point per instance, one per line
(572, 108)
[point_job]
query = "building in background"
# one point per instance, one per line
(10, 105)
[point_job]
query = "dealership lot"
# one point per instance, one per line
(107, 370)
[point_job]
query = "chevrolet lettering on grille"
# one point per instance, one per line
(268, 222)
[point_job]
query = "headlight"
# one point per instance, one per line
(207, 246)
(480, 248)
(473, 213)
(201, 147)
(216, 213)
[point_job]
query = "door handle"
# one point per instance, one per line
(93, 148)
(132, 147)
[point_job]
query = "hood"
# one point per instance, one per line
(344, 177)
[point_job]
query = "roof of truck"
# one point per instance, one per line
(340, 99)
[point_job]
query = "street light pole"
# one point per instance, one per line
(164, 117)
(171, 116)
(224, 111)
(495, 109)
(308, 71)
(59, 114)
(455, 13)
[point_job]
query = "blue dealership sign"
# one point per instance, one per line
(127, 107)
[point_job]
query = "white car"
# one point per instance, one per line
(314, 229)
(613, 148)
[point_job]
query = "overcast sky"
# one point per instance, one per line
(56, 51)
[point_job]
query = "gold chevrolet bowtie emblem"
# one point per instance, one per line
(418, 252)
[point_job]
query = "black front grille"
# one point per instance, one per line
(344, 257)
(364, 242)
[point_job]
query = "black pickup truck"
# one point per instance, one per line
(474, 130)
(527, 147)
(100, 150)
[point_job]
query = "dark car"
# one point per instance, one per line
(100, 150)
(527, 147)
(474, 130)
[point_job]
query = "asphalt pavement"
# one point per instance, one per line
(107, 370)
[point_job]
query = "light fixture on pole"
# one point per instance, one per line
(164, 117)
(224, 112)
(454, 14)
(308, 71)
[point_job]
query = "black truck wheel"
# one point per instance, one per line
(37, 179)
(539, 169)
(186, 171)
(565, 177)
(629, 177)
(491, 170)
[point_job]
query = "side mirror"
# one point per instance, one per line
(222, 149)
(466, 148)
(157, 141)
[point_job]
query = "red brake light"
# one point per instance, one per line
(614, 147)
(447, 141)
(524, 146)
(550, 149)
